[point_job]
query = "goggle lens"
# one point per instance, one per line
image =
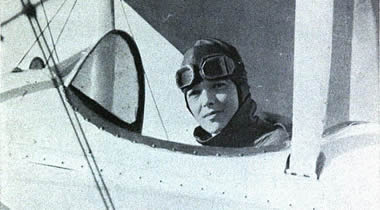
(216, 67)
(185, 76)
(212, 67)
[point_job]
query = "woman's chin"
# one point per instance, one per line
(213, 128)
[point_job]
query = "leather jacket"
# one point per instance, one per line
(245, 129)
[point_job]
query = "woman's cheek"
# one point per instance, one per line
(195, 105)
(221, 97)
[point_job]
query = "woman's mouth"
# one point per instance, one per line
(212, 113)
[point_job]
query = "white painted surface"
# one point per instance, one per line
(365, 73)
(141, 177)
(33, 128)
(312, 59)
(160, 59)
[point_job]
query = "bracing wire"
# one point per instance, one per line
(54, 79)
(39, 35)
(146, 77)
(59, 93)
(85, 139)
(78, 122)
(50, 33)
(126, 17)
(155, 104)
(63, 28)
(93, 157)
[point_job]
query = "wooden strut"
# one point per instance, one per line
(312, 64)
(312, 59)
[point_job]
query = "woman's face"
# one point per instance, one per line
(213, 103)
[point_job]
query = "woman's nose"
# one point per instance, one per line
(208, 98)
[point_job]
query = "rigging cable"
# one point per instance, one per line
(63, 28)
(57, 79)
(85, 139)
(126, 17)
(75, 114)
(147, 79)
(50, 33)
(40, 34)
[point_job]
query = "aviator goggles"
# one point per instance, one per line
(211, 67)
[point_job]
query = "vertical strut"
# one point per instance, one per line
(312, 59)
(365, 77)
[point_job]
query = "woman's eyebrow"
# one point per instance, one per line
(221, 81)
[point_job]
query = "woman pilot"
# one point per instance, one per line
(214, 82)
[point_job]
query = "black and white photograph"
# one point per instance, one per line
(189, 104)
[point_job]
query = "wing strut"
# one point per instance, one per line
(312, 66)
(365, 96)
(312, 59)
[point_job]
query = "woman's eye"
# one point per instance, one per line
(194, 92)
(219, 85)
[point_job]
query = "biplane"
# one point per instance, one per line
(91, 117)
